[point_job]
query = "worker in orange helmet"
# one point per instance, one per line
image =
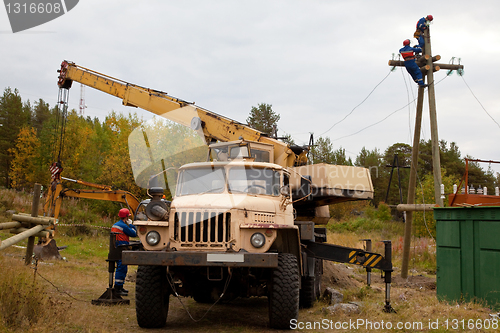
(123, 230)
(422, 24)
(408, 54)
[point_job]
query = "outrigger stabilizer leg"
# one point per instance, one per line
(354, 256)
(110, 296)
(387, 277)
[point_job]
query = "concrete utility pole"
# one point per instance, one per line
(427, 70)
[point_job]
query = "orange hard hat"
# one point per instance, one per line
(124, 212)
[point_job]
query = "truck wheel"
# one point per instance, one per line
(151, 296)
(284, 292)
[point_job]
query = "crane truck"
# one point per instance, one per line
(247, 221)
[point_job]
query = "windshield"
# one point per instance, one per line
(240, 180)
(254, 180)
(201, 180)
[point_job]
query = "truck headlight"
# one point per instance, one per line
(258, 240)
(153, 238)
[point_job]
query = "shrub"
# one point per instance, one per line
(346, 210)
(384, 212)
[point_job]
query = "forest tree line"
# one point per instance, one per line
(97, 151)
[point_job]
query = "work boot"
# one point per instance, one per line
(121, 291)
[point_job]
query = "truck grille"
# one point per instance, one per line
(202, 228)
(263, 218)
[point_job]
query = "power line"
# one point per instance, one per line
(479, 101)
(357, 105)
(378, 122)
(408, 98)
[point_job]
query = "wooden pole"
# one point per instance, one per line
(415, 207)
(9, 225)
(19, 237)
(436, 160)
(34, 213)
(422, 60)
(400, 63)
(412, 184)
(30, 219)
(43, 233)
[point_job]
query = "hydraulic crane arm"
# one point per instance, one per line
(215, 127)
(57, 192)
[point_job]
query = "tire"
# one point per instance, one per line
(284, 292)
(151, 297)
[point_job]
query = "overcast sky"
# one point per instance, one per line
(314, 61)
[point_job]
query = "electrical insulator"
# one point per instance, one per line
(479, 190)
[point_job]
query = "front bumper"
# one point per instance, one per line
(195, 258)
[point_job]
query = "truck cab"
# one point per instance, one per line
(221, 206)
(223, 235)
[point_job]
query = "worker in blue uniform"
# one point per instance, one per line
(123, 230)
(408, 54)
(422, 24)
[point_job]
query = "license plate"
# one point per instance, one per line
(225, 257)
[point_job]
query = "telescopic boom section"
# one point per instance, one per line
(215, 127)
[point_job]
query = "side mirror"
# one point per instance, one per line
(285, 191)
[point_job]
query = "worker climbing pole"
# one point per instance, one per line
(427, 68)
(409, 53)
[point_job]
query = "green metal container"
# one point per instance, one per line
(468, 254)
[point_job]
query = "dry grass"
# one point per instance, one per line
(64, 303)
(76, 281)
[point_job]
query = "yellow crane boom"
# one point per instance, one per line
(215, 127)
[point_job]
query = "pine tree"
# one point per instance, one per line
(263, 118)
(13, 116)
